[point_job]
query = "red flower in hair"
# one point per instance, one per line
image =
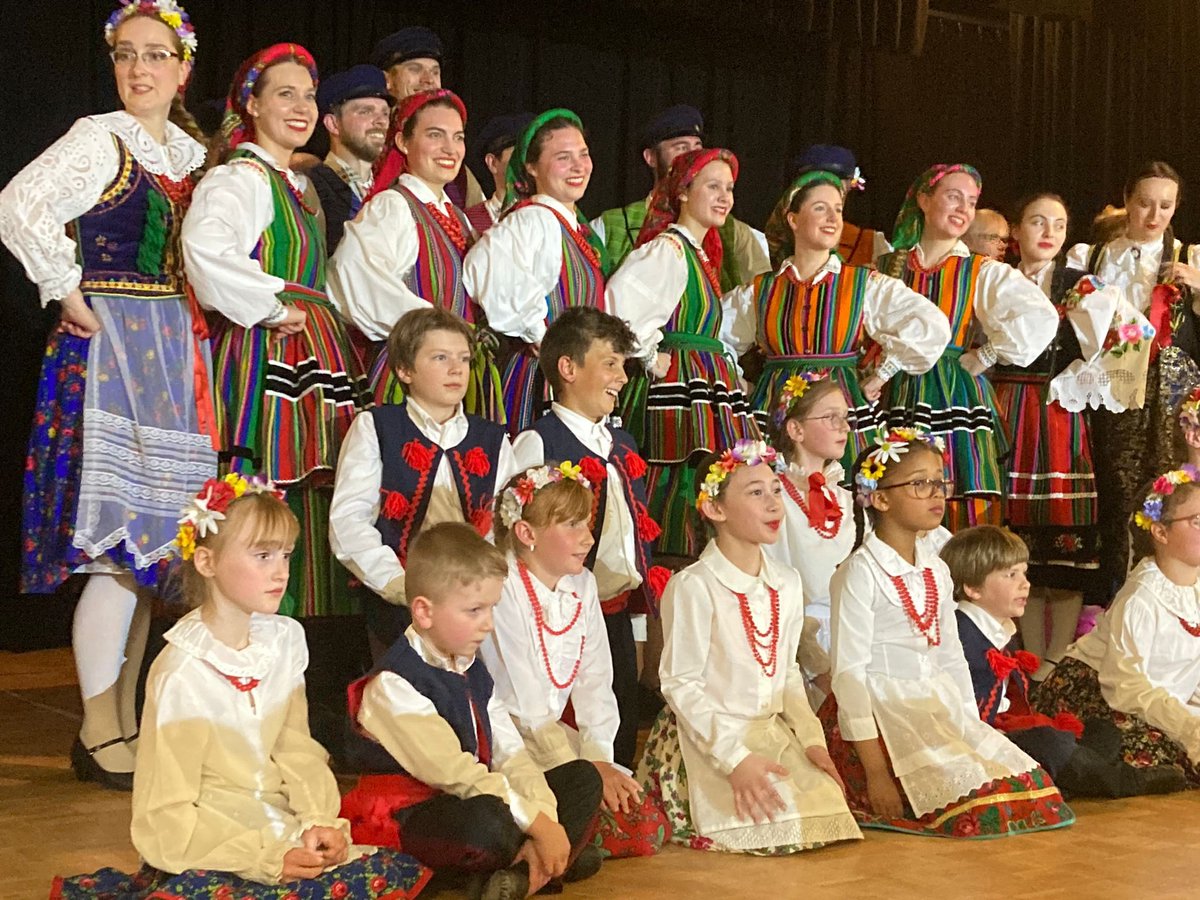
(657, 579)
(222, 494)
(395, 505)
(593, 470)
(476, 462)
(481, 520)
(417, 455)
(634, 465)
(524, 490)
(647, 528)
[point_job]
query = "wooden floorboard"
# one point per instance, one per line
(52, 824)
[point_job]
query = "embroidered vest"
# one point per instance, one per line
(410, 463)
(949, 285)
(580, 282)
(437, 275)
(1064, 349)
(806, 319)
(989, 690)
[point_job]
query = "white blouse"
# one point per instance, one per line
(67, 180)
(231, 208)
(514, 656)
(910, 330)
(890, 682)
(229, 779)
(353, 537)
(515, 264)
(1149, 665)
(1130, 266)
(380, 248)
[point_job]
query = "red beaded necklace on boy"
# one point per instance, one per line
(543, 629)
(826, 530)
(928, 620)
(762, 640)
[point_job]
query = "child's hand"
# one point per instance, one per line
(538, 876)
(551, 845)
(872, 388)
(754, 797)
(621, 793)
(885, 799)
(819, 757)
(329, 842)
(301, 862)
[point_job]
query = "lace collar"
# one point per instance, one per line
(179, 156)
(255, 660)
(1178, 599)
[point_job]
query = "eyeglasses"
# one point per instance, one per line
(833, 420)
(1194, 521)
(152, 59)
(926, 488)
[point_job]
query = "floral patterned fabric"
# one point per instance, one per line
(641, 832)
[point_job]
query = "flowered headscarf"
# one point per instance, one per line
(910, 221)
(239, 124)
(780, 239)
(168, 12)
(393, 162)
(663, 208)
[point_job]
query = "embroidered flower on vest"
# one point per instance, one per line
(417, 455)
(476, 462)
(395, 505)
(593, 469)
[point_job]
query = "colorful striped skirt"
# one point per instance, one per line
(527, 396)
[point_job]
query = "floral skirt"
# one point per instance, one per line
(382, 875)
(1074, 687)
(1006, 806)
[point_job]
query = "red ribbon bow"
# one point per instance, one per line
(1004, 664)
(821, 510)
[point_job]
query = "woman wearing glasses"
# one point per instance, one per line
(814, 313)
(122, 435)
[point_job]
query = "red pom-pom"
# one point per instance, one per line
(1028, 662)
(1065, 721)
(647, 528)
(481, 521)
(476, 462)
(593, 470)
(634, 465)
(657, 578)
(395, 505)
(418, 456)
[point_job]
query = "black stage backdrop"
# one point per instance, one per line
(1065, 94)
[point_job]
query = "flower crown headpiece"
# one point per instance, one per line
(207, 508)
(744, 453)
(1164, 486)
(516, 498)
(888, 449)
(793, 389)
(1189, 410)
(169, 12)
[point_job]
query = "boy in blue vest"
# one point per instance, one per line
(449, 777)
(407, 466)
(583, 359)
(988, 565)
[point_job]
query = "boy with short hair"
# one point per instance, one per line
(582, 357)
(988, 565)
(448, 775)
(407, 466)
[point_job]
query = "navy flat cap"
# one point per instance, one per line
(675, 122)
(354, 83)
(413, 42)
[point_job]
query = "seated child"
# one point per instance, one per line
(904, 728)
(988, 565)
(550, 647)
(449, 777)
(231, 796)
(738, 757)
(407, 466)
(1140, 666)
(583, 359)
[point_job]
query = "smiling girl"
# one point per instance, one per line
(687, 400)
(288, 380)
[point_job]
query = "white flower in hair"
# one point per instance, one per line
(203, 519)
(889, 450)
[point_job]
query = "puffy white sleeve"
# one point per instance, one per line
(912, 331)
(1018, 319)
(646, 289)
(64, 182)
(853, 626)
(1077, 256)
(597, 226)
(231, 208)
(739, 317)
(512, 268)
(366, 274)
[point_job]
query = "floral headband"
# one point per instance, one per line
(169, 12)
(888, 449)
(1189, 410)
(743, 453)
(516, 498)
(207, 508)
(1164, 486)
(793, 389)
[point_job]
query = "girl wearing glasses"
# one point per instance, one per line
(815, 313)
(1140, 666)
(123, 432)
(904, 729)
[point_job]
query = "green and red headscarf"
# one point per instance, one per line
(780, 239)
(393, 162)
(910, 221)
(238, 125)
(663, 208)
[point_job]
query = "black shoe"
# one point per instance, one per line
(1102, 736)
(1162, 780)
(503, 884)
(586, 864)
(87, 769)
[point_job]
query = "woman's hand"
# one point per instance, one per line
(971, 362)
(292, 323)
(329, 842)
(885, 799)
(301, 862)
(820, 758)
(662, 364)
(754, 796)
(77, 317)
(1187, 275)
(872, 388)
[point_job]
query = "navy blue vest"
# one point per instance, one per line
(975, 646)
(559, 443)
(450, 693)
(405, 485)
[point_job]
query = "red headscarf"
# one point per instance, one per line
(663, 208)
(392, 162)
(239, 124)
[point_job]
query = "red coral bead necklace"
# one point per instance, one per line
(927, 623)
(762, 641)
(543, 629)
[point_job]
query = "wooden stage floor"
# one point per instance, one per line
(52, 824)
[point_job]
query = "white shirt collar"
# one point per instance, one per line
(431, 655)
(834, 472)
(998, 631)
(439, 432)
(959, 249)
(1043, 277)
(892, 563)
(831, 266)
(731, 576)
(565, 584)
(493, 207)
(177, 157)
(267, 158)
(594, 435)
(421, 190)
(255, 660)
(547, 200)
(1180, 600)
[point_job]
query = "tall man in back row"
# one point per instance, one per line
(675, 131)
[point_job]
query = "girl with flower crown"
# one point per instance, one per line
(816, 313)
(1140, 666)
(232, 796)
(549, 647)
(288, 380)
(123, 431)
(1186, 430)
(977, 295)
(902, 724)
(737, 757)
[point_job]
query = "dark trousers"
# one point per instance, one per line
(479, 834)
(625, 684)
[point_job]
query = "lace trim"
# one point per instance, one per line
(803, 834)
(175, 159)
